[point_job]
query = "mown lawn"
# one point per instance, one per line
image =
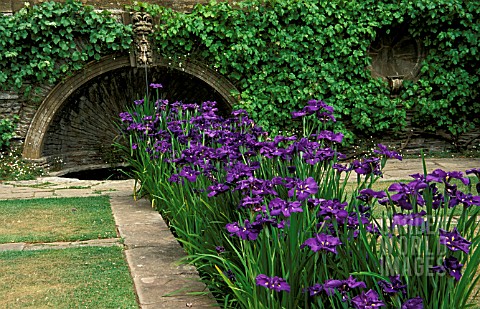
(76, 277)
(87, 277)
(56, 219)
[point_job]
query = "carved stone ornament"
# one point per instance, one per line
(142, 25)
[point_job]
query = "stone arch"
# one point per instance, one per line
(54, 102)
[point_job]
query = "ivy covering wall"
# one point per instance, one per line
(282, 53)
(46, 42)
(279, 54)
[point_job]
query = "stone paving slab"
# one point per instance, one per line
(45, 187)
(18, 246)
(109, 242)
(395, 169)
(153, 256)
(22, 246)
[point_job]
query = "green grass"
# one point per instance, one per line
(56, 219)
(88, 277)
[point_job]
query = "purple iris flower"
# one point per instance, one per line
(367, 166)
(136, 126)
(368, 300)
(352, 283)
(450, 189)
(315, 289)
(394, 286)
(239, 170)
(192, 107)
(279, 138)
(174, 178)
(217, 189)
(162, 146)
(343, 286)
(249, 184)
(156, 86)
(304, 144)
(475, 171)
(454, 241)
(413, 303)
(309, 109)
(440, 176)
(230, 275)
(249, 231)
(327, 154)
(450, 265)
(298, 114)
(340, 167)
(437, 175)
(331, 208)
(220, 249)
(407, 193)
(189, 173)
(331, 285)
(329, 136)
(239, 112)
(274, 283)
(466, 199)
(254, 202)
(138, 102)
(322, 242)
(353, 223)
(383, 150)
(304, 188)
(126, 117)
(276, 181)
(190, 155)
(324, 112)
(458, 175)
(266, 188)
(262, 220)
(366, 195)
(278, 206)
(413, 219)
(267, 149)
(310, 156)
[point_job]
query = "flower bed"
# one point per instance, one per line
(268, 222)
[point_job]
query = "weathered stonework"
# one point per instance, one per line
(74, 124)
(142, 26)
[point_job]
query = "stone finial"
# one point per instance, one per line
(142, 25)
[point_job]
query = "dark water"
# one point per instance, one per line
(117, 173)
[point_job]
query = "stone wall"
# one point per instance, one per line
(15, 104)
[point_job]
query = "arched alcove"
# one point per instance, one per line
(74, 127)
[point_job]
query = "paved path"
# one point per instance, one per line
(402, 169)
(151, 250)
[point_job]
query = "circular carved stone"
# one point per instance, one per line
(396, 56)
